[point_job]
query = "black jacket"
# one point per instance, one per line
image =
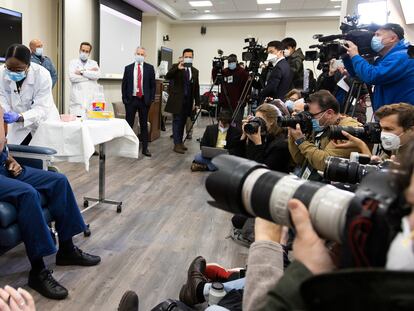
(148, 84)
(209, 138)
(278, 82)
(176, 90)
(296, 65)
(273, 152)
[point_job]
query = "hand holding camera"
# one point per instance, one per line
(352, 142)
(181, 63)
(252, 129)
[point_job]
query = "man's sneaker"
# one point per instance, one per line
(129, 302)
(195, 277)
(46, 285)
(198, 167)
(76, 258)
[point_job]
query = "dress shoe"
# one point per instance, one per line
(179, 149)
(129, 302)
(76, 258)
(184, 147)
(198, 167)
(45, 284)
(146, 153)
(195, 276)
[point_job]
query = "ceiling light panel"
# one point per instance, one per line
(200, 3)
(268, 1)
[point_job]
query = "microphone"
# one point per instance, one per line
(330, 38)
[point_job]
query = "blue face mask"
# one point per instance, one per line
(232, 66)
(289, 104)
(16, 76)
(376, 44)
(316, 126)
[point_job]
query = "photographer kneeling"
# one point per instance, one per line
(265, 142)
(311, 151)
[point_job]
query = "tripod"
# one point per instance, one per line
(219, 81)
(352, 99)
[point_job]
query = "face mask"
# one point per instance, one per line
(223, 129)
(232, 66)
(83, 56)
(390, 141)
(16, 76)
(401, 252)
(139, 59)
(272, 58)
(376, 44)
(289, 104)
(39, 51)
(286, 53)
(188, 60)
(316, 126)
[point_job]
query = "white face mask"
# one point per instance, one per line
(272, 58)
(390, 141)
(286, 53)
(39, 51)
(139, 59)
(83, 56)
(401, 252)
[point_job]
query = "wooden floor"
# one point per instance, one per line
(165, 223)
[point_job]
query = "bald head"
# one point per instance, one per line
(34, 44)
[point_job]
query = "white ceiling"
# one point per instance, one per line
(181, 10)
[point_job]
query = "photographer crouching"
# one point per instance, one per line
(309, 150)
(392, 73)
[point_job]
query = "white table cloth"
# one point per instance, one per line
(75, 141)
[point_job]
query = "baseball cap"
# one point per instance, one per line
(397, 29)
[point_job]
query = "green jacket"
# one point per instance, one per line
(296, 65)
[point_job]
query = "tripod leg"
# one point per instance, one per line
(192, 125)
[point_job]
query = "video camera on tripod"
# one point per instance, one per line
(333, 46)
(218, 62)
(255, 54)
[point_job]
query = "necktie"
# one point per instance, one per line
(139, 86)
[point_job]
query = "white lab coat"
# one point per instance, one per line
(34, 102)
(83, 86)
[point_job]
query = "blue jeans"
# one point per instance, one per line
(24, 193)
(228, 286)
(202, 160)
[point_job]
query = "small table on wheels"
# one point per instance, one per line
(75, 142)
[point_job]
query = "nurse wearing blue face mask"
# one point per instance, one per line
(25, 95)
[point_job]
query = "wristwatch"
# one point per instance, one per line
(299, 141)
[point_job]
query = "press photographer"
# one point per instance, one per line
(279, 76)
(392, 73)
(233, 80)
(309, 150)
(397, 129)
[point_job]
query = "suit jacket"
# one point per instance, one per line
(209, 138)
(279, 82)
(176, 91)
(148, 84)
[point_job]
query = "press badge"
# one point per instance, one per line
(230, 79)
(306, 174)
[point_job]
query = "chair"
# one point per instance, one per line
(37, 157)
(119, 111)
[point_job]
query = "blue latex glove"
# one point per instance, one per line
(11, 117)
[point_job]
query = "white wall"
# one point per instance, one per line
(397, 16)
(40, 20)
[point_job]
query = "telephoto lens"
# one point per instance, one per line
(304, 119)
(252, 126)
(245, 187)
(370, 132)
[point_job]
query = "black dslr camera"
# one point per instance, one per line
(370, 132)
(252, 126)
(304, 119)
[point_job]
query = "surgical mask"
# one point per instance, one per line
(16, 76)
(39, 51)
(316, 125)
(188, 60)
(286, 53)
(139, 59)
(272, 58)
(376, 44)
(232, 66)
(290, 104)
(390, 141)
(83, 56)
(400, 255)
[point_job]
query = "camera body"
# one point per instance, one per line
(304, 119)
(218, 62)
(253, 125)
(255, 54)
(370, 132)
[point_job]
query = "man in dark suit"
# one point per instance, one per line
(220, 135)
(279, 76)
(184, 91)
(138, 92)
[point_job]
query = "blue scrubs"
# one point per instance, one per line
(24, 193)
